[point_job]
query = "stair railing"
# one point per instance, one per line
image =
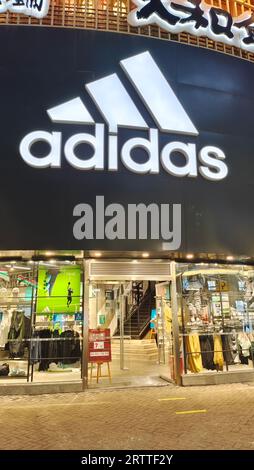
(137, 307)
(147, 322)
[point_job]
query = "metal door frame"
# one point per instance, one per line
(175, 327)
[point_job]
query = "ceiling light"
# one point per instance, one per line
(145, 255)
(22, 267)
(230, 258)
(98, 254)
(49, 253)
(190, 256)
(49, 264)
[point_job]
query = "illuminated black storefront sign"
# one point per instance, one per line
(198, 18)
(108, 127)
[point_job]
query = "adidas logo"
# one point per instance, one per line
(118, 110)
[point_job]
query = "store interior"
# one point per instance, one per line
(128, 310)
(42, 324)
(53, 316)
(216, 313)
(41, 320)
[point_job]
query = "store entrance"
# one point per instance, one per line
(128, 341)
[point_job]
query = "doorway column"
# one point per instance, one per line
(85, 355)
(175, 324)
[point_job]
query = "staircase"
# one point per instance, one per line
(144, 350)
(137, 323)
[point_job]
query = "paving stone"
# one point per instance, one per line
(130, 419)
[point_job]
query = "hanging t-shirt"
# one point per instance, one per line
(4, 327)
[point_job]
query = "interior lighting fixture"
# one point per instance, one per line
(26, 268)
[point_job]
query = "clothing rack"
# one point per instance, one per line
(29, 306)
(66, 324)
(230, 352)
(204, 333)
(16, 341)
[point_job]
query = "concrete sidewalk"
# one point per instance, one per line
(212, 417)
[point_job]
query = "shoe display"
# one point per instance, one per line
(13, 372)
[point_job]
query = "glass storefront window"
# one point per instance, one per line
(217, 314)
(41, 320)
(57, 322)
(17, 284)
(130, 332)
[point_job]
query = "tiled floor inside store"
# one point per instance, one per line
(134, 373)
(139, 373)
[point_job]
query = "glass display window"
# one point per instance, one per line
(217, 315)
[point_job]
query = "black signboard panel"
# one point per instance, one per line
(44, 67)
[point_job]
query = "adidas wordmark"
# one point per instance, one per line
(118, 110)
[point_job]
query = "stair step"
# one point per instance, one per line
(139, 352)
(147, 349)
(138, 357)
(134, 343)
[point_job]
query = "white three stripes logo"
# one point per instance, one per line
(117, 107)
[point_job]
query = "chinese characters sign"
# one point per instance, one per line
(197, 18)
(99, 345)
(36, 8)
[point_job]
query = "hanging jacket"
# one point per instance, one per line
(218, 354)
(5, 328)
(44, 334)
(207, 348)
(70, 347)
(245, 344)
(228, 349)
(194, 353)
(17, 334)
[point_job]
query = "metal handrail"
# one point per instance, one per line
(136, 307)
(145, 324)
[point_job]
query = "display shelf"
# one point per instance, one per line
(45, 323)
(9, 377)
(41, 314)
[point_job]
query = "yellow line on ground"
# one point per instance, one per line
(171, 399)
(189, 412)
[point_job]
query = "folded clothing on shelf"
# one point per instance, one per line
(17, 372)
(4, 369)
